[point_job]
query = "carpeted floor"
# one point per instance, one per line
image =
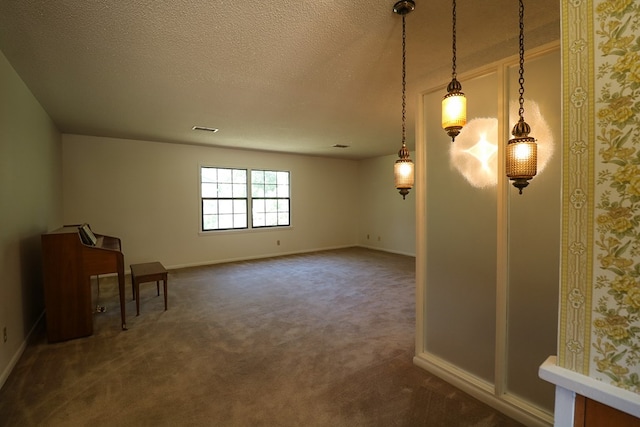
(319, 339)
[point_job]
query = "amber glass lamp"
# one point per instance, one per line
(403, 172)
(454, 103)
(522, 150)
(403, 169)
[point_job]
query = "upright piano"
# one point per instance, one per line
(71, 256)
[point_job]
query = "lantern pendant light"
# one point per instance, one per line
(403, 168)
(454, 103)
(522, 150)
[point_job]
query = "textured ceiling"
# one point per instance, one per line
(290, 76)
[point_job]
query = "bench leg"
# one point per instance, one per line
(165, 293)
(137, 296)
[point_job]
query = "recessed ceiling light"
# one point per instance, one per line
(340, 146)
(204, 128)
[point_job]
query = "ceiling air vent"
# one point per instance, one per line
(206, 129)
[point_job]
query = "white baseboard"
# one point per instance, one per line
(482, 390)
(391, 251)
(18, 354)
(269, 255)
(249, 258)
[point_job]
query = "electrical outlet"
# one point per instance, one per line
(4, 334)
(278, 242)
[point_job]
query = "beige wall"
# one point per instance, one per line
(147, 194)
(31, 198)
(385, 220)
(600, 294)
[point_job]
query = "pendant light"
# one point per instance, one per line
(403, 167)
(522, 150)
(454, 103)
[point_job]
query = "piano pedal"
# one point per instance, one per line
(100, 309)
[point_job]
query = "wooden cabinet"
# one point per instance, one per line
(590, 413)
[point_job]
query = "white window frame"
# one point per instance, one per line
(267, 205)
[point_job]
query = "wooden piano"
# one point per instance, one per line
(71, 255)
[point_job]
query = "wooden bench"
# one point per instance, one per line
(148, 272)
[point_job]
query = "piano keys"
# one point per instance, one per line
(69, 262)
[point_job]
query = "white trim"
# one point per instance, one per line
(18, 354)
(391, 251)
(277, 254)
(573, 382)
(502, 240)
(421, 226)
(509, 405)
(565, 407)
(263, 256)
(249, 258)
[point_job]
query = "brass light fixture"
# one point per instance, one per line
(454, 103)
(522, 150)
(403, 167)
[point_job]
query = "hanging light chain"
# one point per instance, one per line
(453, 61)
(404, 83)
(521, 80)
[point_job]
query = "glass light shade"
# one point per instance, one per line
(454, 113)
(403, 173)
(522, 161)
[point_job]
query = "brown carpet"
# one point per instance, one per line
(320, 339)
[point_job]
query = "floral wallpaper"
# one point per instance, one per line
(615, 340)
(599, 332)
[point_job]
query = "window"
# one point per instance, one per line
(269, 198)
(225, 198)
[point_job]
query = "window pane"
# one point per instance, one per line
(258, 206)
(258, 219)
(283, 178)
(283, 191)
(270, 190)
(209, 190)
(226, 221)
(283, 218)
(240, 176)
(240, 190)
(271, 219)
(271, 205)
(224, 175)
(240, 206)
(283, 205)
(210, 222)
(257, 177)
(240, 221)
(209, 207)
(225, 190)
(257, 190)
(225, 206)
(209, 174)
(270, 177)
